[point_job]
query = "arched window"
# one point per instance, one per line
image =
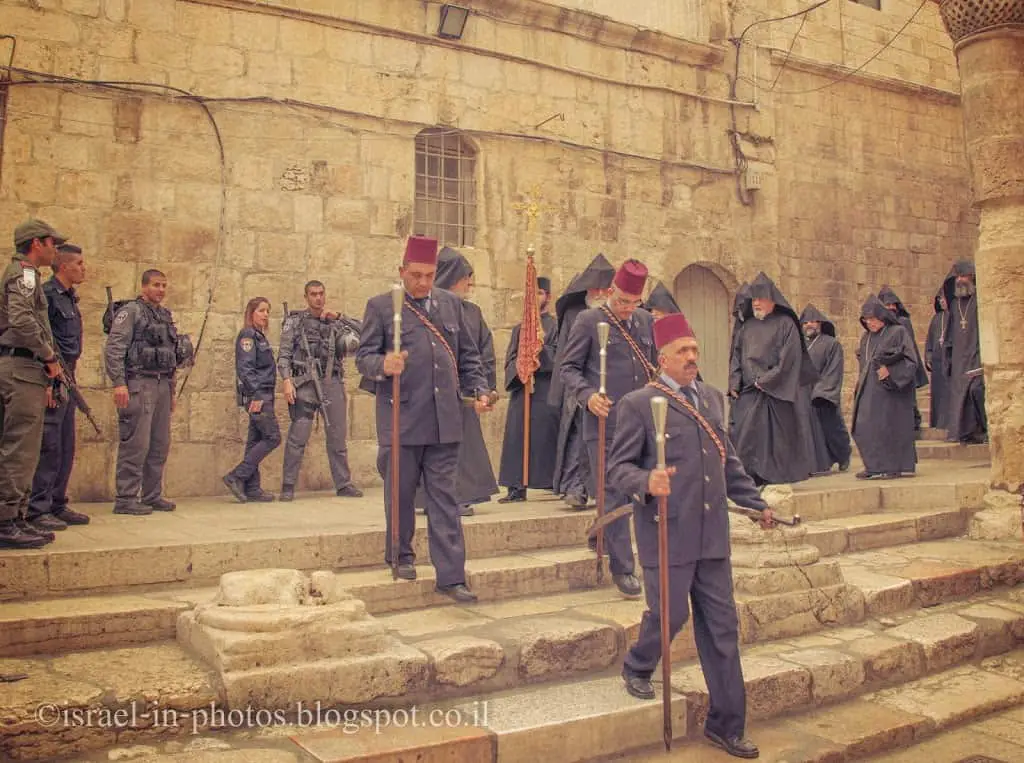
(445, 187)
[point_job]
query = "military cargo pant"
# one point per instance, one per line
(144, 428)
(22, 406)
(264, 436)
(302, 413)
(56, 458)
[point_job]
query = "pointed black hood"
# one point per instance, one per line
(961, 268)
(811, 313)
(598, 275)
(887, 296)
(940, 296)
(763, 287)
(741, 307)
(661, 299)
(875, 308)
(452, 267)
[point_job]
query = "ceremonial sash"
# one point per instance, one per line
(652, 372)
(688, 406)
(434, 330)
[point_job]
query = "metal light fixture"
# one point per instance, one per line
(453, 22)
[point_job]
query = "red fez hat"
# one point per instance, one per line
(670, 328)
(421, 249)
(631, 277)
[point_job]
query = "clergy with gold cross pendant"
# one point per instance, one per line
(701, 471)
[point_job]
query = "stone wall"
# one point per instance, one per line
(317, 104)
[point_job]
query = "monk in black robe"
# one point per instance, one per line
(830, 438)
(741, 312)
(660, 302)
(883, 405)
(544, 417)
(889, 298)
(572, 466)
(967, 421)
(770, 435)
(474, 480)
(935, 363)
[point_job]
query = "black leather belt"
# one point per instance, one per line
(18, 352)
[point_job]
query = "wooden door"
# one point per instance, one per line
(706, 303)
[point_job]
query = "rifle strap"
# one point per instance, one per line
(436, 332)
(652, 372)
(696, 415)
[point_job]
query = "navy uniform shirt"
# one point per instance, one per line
(254, 365)
(65, 319)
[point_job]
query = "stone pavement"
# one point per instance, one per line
(879, 590)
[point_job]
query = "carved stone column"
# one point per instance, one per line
(988, 37)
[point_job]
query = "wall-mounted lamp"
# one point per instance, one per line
(453, 22)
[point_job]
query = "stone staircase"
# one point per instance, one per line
(877, 599)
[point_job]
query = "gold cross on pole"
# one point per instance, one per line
(532, 208)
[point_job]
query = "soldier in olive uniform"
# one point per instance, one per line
(48, 506)
(256, 374)
(315, 341)
(142, 355)
(27, 364)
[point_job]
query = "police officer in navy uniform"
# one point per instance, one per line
(143, 353)
(630, 363)
(28, 364)
(439, 365)
(256, 375)
(702, 472)
(48, 506)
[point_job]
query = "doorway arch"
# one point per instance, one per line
(705, 300)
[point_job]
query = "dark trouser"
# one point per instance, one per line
(56, 457)
(302, 413)
(144, 428)
(618, 536)
(22, 404)
(576, 469)
(973, 420)
(708, 584)
(837, 437)
(264, 436)
(436, 465)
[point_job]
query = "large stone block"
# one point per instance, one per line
(945, 639)
(558, 646)
(463, 660)
(888, 660)
(834, 675)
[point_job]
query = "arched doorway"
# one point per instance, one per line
(706, 302)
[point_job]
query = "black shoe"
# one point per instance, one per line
(236, 487)
(637, 686)
(287, 493)
(628, 584)
(27, 527)
(349, 491)
(406, 572)
(260, 497)
(47, 523)
(459, 592)
(845, 466)
(12, 536)
(71, 517)
(135, 509)
(738, 747)
(466, 510)
(576, 500)
(161, 504)
(515, 495)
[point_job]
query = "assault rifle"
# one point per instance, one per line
(74, 393)
(313, 365)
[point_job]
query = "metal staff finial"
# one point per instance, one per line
(602, 338)
(659, 409)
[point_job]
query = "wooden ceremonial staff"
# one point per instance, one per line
(526, 434)
(659, 410)
(397, 300)
(602, 437)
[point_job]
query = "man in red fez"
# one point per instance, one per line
(630, 364)
(439, 364)
(701, 472)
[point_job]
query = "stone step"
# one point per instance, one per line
(861, 532)
(952, 451)
(580, 720)
(932, 434)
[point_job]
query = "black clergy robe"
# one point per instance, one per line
(883, 410)
(967, 418)
(544, 417)
(936, 364)
(830, 436)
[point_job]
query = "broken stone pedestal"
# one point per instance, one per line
(277, 638)
(1001, 519)
(783, 588)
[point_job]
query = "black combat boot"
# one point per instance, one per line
(13, 536)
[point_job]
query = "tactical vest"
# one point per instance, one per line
(319, 335)
(155, 347)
